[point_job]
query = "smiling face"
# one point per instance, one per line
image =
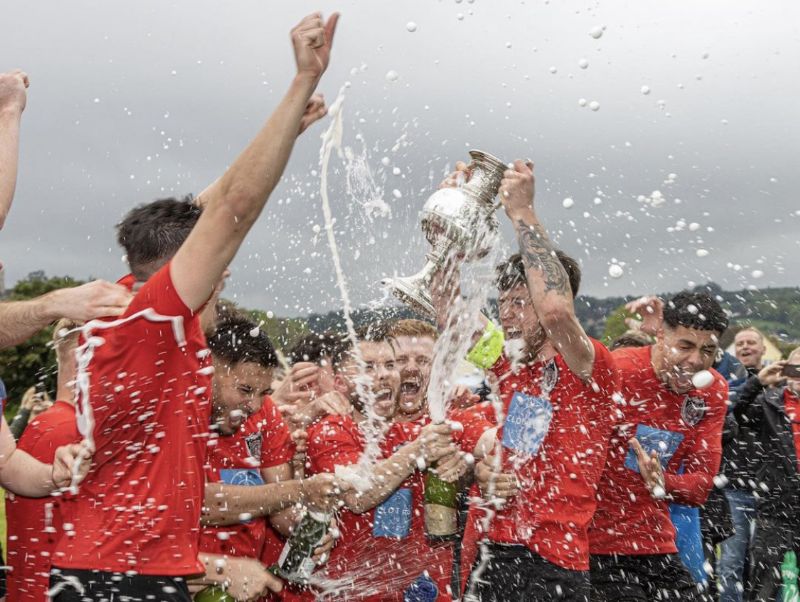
(681, 352)
(238, 392)
(381, 372)
(519, 320)
(414, 355)
(749, 348)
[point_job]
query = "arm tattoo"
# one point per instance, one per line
(538, 253)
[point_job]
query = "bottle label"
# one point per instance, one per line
(527, 423)
(440, 521)
(665, 443)
(393, 516)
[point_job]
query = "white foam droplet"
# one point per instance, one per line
(411, 26)
(701, 252)
(596, 32)
(583, 63)
(757, 274)
(594, 105)
(702, 379)
(567, 203)
(582, 102)
(553, 70)
(392, 75)
(615, 270)
(645, 90)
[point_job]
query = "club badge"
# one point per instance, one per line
(549, 377)
(253, 443)
(693, 410)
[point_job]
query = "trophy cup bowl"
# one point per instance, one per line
(459, 223)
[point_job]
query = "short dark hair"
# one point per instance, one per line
(695, 310)
(314, 347)
(153, 232)
(238, 339)
(374, 332)
(631, 338)
(512, 272)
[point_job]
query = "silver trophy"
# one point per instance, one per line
(458, 222)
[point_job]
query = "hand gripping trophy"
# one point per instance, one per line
(458, 222)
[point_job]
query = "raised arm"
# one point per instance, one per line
(22, 319)
(548, 282)
(233, 203)
(12, 103)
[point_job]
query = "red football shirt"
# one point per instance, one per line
(556, 444)
(35, 524)
(686, 431)
(263, 441)
(377, 561)
(139, 507)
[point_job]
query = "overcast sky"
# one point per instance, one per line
(131, 101)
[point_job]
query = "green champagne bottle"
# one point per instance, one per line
(441, 509)
(213, 593)
(295, 563)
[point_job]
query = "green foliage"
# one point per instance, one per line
(32, 361)
(615, 324)
(283, 332)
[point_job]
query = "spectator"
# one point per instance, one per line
(769, 405)
(33, 403)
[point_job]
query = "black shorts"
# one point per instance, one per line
(642, 579)
(99, 585)
(515, 573)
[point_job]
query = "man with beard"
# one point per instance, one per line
(557, 413)
(413, 341)
(248, 475)
(666, 449)
(375, 557)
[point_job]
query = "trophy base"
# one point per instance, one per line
(410, 293)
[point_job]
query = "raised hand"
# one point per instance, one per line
(323, 491)
(770, 376)
(64, 464)
(517, 189)
(435, 442)
(315, 110)
(458, 177)
(13, 96)
(651, 309)
(312, 41)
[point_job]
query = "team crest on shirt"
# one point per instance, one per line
(253, 443)
(693, 410)
(549, 377)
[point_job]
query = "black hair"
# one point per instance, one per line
(239, 339)
(695, 310)
(315, 346)
(152, 233)
(512, 272)
(631, 338)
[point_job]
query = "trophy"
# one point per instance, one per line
(456, 222)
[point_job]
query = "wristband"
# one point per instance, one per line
(489, 347)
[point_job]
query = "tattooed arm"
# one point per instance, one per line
(548, 282)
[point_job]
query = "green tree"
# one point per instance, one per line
(615, 324)
(32, 361)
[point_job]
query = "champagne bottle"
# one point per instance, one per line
(441, 509)
(213, 593)
(295, 563)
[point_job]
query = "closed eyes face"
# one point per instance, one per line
(684, 353)
(238, 392)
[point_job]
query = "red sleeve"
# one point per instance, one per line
(701, 462)
(277, 446)
(159, 294)
(332, 442)
(604, 370)
(476, 421)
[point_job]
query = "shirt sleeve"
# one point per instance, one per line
(475, 423)
(701, 462)
(332, 444)
(277, 446)
(159, 294)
